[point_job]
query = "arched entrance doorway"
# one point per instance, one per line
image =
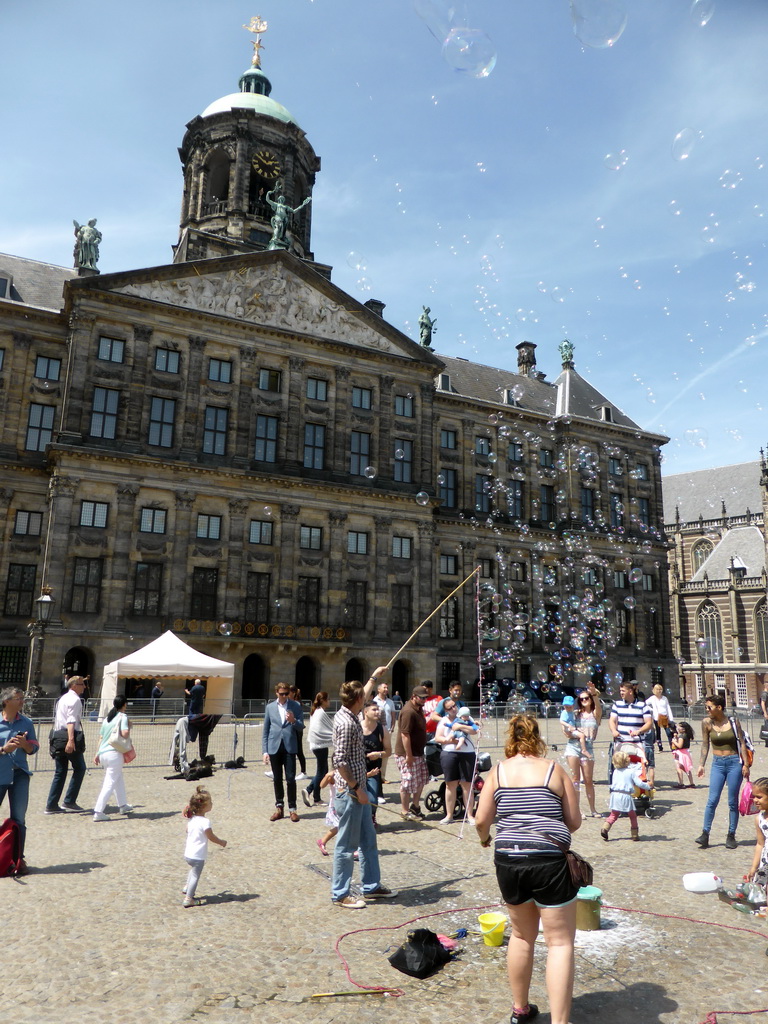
(307, 677)
(254, 682)
(401, 679)
(78, 661)
(354, 670)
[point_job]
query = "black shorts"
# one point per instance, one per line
(457, 766)
(545, 880)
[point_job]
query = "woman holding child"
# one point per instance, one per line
(580, 720)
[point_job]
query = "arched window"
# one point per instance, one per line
(709, 626)
(761, 632)
(701, 552)
(354, 669)
(217, 190)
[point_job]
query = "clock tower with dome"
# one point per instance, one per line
(244, 151)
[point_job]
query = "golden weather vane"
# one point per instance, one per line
(258, 27)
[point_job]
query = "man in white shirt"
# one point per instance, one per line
(68, 746)
(388, 717)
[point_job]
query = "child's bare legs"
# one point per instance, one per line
(459, 739)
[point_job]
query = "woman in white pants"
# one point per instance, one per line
(111, 761)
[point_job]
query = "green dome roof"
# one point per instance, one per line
(250, 101)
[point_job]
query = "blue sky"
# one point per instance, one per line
(547, 199)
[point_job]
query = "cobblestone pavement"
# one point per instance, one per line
(99, 932)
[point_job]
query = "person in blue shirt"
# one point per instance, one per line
(17, 739)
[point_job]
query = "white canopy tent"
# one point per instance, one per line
(168, 657)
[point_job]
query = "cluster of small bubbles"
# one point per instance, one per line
(684, 143)
(470, 51)
(225, 628)
(730, 179)
(615, 161)
(369, 472)
(598, 23)
(422, 498)
(702, 11)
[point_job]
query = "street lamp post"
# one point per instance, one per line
(701, 646)
(36, 630)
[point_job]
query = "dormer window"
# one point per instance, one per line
(444, 381)
(606, 414)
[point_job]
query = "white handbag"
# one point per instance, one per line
(117, 741)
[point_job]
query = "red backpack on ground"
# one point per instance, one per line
(10, 848)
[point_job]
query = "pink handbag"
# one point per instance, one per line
(746, 803)
(129, 755)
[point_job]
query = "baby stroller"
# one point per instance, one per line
(643, 798)
(435, 800)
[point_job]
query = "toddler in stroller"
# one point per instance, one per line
(435, 800)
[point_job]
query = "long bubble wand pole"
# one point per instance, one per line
(394, 657)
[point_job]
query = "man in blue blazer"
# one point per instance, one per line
(283, 725)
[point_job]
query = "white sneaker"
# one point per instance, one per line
(270, 775)
(301, 775)
(100, 816)
(382, 800)
(126, 808)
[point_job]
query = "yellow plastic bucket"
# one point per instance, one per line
(492, 927)
(589, 899)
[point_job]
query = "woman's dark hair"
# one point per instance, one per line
(584, 694)
(319, 700)
(117, 705)
(717, 699)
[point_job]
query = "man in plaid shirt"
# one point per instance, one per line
(356, 828)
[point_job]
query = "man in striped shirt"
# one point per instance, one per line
(630, 717)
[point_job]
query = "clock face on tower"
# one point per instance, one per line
(266, 164)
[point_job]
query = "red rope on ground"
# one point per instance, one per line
(393, 927)
(693, 920)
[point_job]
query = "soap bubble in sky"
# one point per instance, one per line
(356, 261)
(683, 143)
(470, 51)
(615, 161)
(598, 23)
(702, 11)
(436, 15)
(369, 472)
(730, 179)
(422, 498)
(696, 437)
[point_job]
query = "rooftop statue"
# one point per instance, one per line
(426, 327)
(86, 251)
(566, 351)
(281, 217)
(258, 26)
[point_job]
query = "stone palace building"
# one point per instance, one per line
(231, 447)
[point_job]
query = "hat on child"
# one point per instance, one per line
(567, 701)
(463, 712)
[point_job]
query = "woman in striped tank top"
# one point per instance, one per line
(535, 808)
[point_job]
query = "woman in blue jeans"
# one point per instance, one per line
(729, 765)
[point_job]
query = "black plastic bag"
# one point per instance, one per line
(420, 955)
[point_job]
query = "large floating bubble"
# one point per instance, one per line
(470, 51)
(422, 498)
(369, 472)
(683, 143)
(356, 261)
(598, 23)
(702, 11)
